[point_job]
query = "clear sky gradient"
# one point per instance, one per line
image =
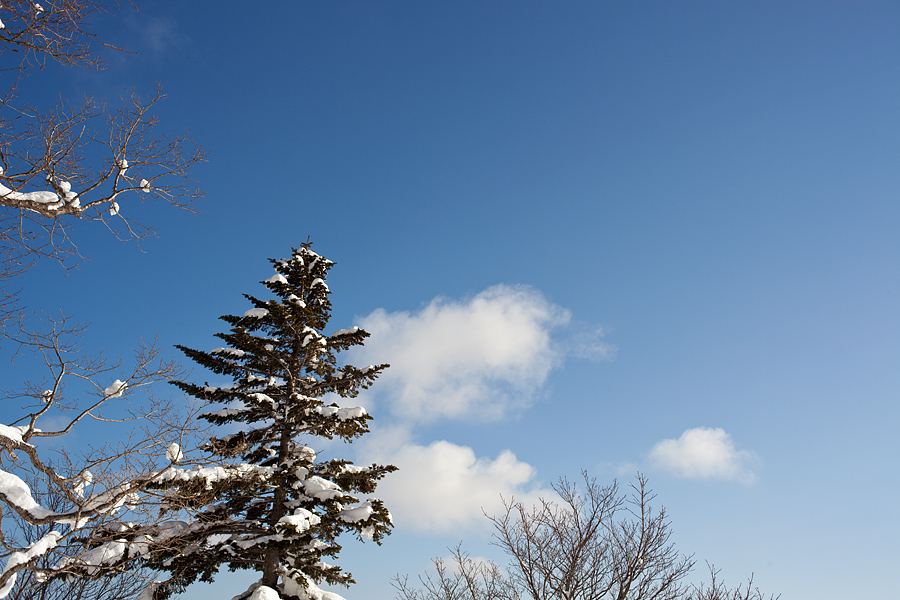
(616, 236)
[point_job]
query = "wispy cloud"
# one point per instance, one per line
(476, 358)
(154, 36)
(703, 453)
(588, 343)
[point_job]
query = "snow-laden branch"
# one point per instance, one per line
(89, 494)
(16, 494)
(50, 170)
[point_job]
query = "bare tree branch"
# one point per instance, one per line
(717, 590)
(62, 164)
(89, 491)
(75, 161)
(29, 586)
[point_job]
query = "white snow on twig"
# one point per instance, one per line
(343, 414)
(358, 513)
(40, 196)
(301, 520)
(84, 480)
(39, 548)
(108, 553)
(225, 412)
(340, 332)
(50, 199)
(13, 433)
(212, 475)
(231, 351)
(262, 398)
(305, 590)
(115, 390)
(174, 453)
(256, 313)
(68, 194)
(322, 489)
(106, 502)
(17, 493)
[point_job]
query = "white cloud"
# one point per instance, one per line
(703, 453)
(444, 487)
(456, 359)
(478, 358)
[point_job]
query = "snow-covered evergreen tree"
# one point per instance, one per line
(269, 505)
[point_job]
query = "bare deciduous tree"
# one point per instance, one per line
(595, 544)
(460, 578)
(590, 544)
(48, 175)
(717, 590)
(61, 163)
(54, 30)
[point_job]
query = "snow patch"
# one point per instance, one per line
(84, 480)
(231, 351)
(115, 390)
(321, 489)
(343, 414)
(306, 590)
(41, 196)
(213, 475)
(340, 332)
(225, 412)
(301, 520)
(109, 553)
(174, 453)
(262, 398)
(13, 433)
(18, 494)
(264, 593)
(40, 547)
(358, 513)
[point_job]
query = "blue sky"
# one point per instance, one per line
(658, 220)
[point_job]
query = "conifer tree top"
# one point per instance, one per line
(266, 502)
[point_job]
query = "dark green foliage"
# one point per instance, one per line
(265, 503)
